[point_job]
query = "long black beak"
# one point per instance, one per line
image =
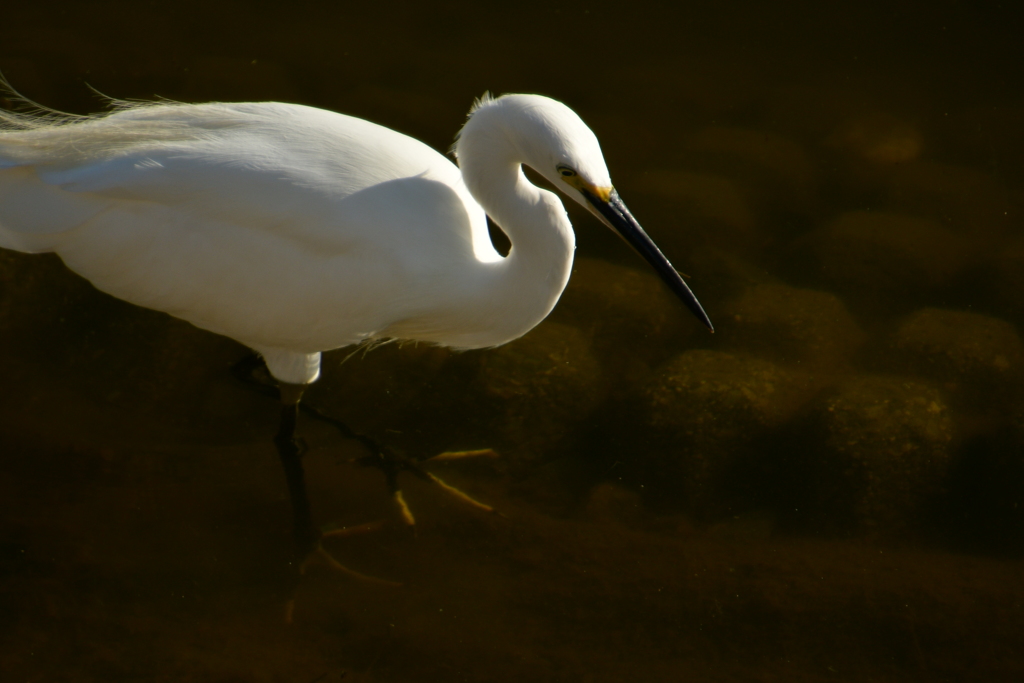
(615, 214)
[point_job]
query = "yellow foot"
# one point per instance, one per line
(462, 455)
(405, 513)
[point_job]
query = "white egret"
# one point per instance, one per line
(296, 230)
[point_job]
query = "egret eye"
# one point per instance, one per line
(565, 171)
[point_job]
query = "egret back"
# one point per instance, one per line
(278, 225)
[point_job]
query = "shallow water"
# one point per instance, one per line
(828, 488)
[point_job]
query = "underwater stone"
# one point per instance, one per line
(971, 353)
(793, 325)
(535, 391)
(619, 308)
(886, 453)
(877, 137)
(523, 399)
(610, 503)
(721, 274)
(708, 412)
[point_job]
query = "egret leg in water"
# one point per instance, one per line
(296, 230)
(378, 455)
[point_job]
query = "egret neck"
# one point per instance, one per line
(524, 287)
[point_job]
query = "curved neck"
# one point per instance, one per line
(528, 283)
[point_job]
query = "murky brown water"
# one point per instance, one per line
(829, 488)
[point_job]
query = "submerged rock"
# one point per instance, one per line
(610, 503)
(720, 274)
(877, 137)
(523, 399)
(629, 316)
(708, 413)
(535, 391)
(792, 325)
(884, 454)
(974, 355)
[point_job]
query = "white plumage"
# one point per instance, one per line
(296, 230)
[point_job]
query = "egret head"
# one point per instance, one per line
(552, 139)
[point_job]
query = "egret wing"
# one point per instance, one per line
(248, 214)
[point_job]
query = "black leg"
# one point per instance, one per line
(391, 464)
(251, 372)
(380, 456)
(291, 450)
